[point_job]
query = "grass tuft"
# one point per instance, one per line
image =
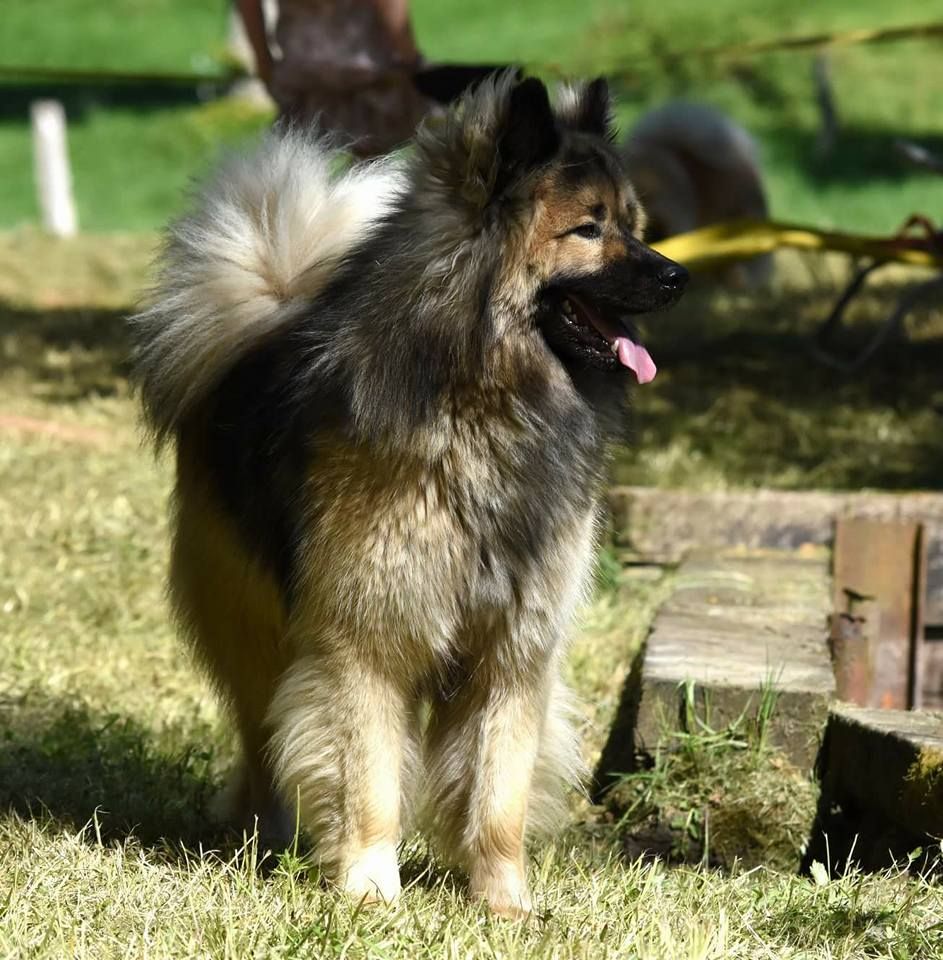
(719, 797)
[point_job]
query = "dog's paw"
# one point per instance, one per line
(373, 876)
(504, 890)
(519, 911)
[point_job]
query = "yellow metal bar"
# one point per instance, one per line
(741, 239)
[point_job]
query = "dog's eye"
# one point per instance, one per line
(588, 231)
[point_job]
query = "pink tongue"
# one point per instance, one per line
(637, 359)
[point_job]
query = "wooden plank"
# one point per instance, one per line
(881, 795)
(880, 559)
(934, 609)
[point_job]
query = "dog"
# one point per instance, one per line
(692, 166)
(390, 389)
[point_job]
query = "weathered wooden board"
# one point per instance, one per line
(932, 675)
(667, 524)
(882, 787)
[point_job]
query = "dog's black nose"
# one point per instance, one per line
(673, 276)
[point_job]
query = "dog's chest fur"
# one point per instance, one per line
(474, 512)
(486, 519)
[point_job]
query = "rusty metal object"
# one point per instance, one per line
(886, 561)
(850, 644)
(918, 622)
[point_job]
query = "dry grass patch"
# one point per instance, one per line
(111, 747)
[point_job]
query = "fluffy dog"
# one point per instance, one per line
(390, 391)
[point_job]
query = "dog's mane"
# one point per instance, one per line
(435, 262)
(296, 304)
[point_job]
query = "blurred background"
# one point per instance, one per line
(134, 145)
(152, 94)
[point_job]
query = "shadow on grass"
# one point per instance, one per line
(119, 780)
(71, 353)
(75, 767)
(860, 155)
(741, 398)
(78, 97)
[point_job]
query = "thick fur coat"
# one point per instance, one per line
(390, 390)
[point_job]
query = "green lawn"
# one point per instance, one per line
(139, 35)
(132, 159)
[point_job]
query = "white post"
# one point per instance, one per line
(51, 165)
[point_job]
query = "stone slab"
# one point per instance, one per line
(735, 623)
(882, 785)
(667, 524)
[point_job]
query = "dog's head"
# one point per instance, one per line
(547, 185)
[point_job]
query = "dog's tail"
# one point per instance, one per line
(267, 231)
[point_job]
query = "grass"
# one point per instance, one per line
(718, 797)
(740, 400)
(134, 35)
(132, 154)
(111, 746)
(124, 902)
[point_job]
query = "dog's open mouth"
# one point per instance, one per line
(609, 342)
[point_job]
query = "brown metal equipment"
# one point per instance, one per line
(851, 644)
(882, 656)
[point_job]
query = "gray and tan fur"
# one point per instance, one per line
(390, 445)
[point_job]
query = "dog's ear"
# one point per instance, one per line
(529, 137)
(587, 108)
(594, 109)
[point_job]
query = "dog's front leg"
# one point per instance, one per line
(340, 731)
(509, 730)
(484, 742)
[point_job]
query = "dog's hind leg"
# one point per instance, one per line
(232, 614)
(250, 799)
(560, 767)
(342, 734)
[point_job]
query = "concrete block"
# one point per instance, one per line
(735, 624)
